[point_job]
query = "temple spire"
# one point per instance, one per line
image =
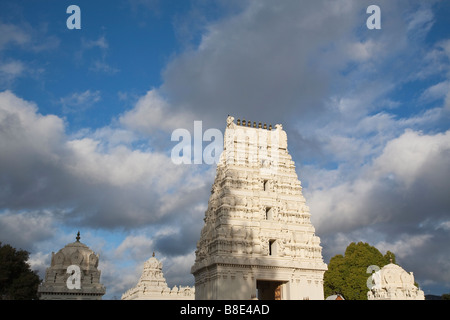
(256, 236)
(78, 236)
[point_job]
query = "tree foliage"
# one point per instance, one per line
(347, 274)
(17, 280)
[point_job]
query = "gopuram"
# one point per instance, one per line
(257, 240)
(73, 274)
(153, 286)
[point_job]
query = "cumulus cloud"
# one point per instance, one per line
(254, 62)
(387, 188)
(137, 246)
(26, 228)
(49, 181)
(405, 246)
(371, 172)
(152, 113)
(105, 184)
(397, 202)
(257, 64)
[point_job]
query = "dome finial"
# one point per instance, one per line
(153, 254)
(78, 236)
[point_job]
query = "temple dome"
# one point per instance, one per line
(76, 254)
(392, 282)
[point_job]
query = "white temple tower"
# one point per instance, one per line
(257, 240)
(73, 274)
(153, 286)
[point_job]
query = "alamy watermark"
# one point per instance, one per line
(74, 20)
(374, 21)
(74, 280)
(374, 281)
(187, 147)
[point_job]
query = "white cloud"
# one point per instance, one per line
(80, 101)
(24, 131)
(25, 227)
(420, 21)
(97, 61)
(10, 71)
(406, 245)
(308, 65)
(444, 225)
(39, 261)
(177, 270)
(102, 66)
(12, 68)
(138, 247)
(92, 180)
(152, 113)
(437, 91)
(12, 34)
(363, 51)
(384, 189)
(255, 64)
(100, 43)
(24, 38)
(407, 156)
(97, 178)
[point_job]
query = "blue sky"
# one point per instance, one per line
(86, 118)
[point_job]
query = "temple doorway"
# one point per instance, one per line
(269, 290)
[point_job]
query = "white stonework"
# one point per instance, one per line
(55, 285)
(257, 238)
(152, 285)
(392, 282)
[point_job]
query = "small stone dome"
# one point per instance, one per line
(75, 254)
(395, 276)
(392, 282)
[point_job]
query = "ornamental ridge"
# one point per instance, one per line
(246, 123)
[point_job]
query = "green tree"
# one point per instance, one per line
(17, 280)
(347, 274)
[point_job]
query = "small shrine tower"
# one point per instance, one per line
(73, 274)
(153, 286)
(257, 239)
(392, 282)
